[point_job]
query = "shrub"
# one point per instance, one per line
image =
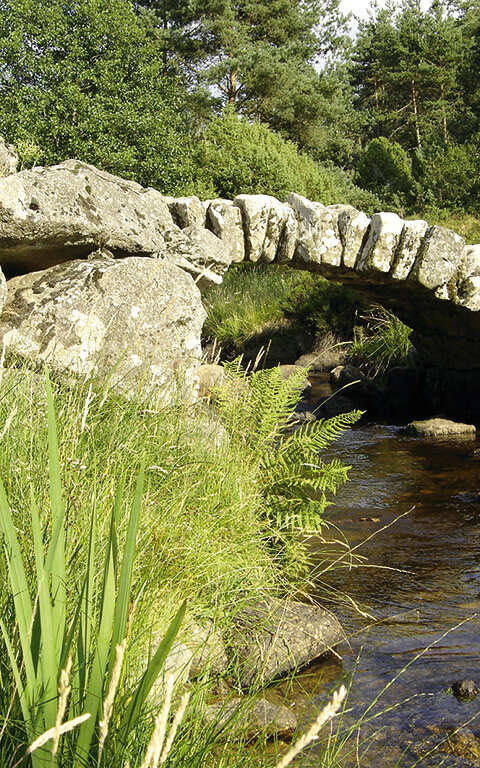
(236, 156)
(381, 343)
(384, 168)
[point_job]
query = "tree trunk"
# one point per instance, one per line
(444, 115)
(232, 87)
(415, 114)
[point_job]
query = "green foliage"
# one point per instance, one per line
(382, 342)
(255, 299)
(256, 57)
(90, 636)
(236, 156)
(450, 177)
(385, 168)
(83, 80)
(293, 480)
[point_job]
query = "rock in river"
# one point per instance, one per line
(441, 428)
(273, 637)
(252, 718)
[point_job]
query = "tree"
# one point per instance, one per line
(257, 57)
(385, 168)
(407, 65)
(82, 79)
(236, 156)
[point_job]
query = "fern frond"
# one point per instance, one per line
(293, 480)
(317, 435)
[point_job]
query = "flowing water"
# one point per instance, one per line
(420, 584)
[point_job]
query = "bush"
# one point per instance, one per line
(235, 156)
(384, 168)
(84, 80)
(449, 176)
(382, 342)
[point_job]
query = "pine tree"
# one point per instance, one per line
(256, 57)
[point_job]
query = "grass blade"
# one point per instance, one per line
(125, 581)
(151, 673)
(95, 684)
(20, 592)
(56, 554)
(47, 663)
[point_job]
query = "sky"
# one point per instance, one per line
(359, 7)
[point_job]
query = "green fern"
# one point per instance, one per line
(294, 481)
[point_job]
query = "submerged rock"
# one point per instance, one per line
(441, 428)
(465, 689)
(252, 718)
(273, 637)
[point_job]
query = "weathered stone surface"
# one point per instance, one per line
(187, 211)
(199, 252)
(50, 215)
(3, 290)
(440, 255)
(200, 651)
(264, 219)
(273, 637)
(353, 226)
(209, 376)
(252, 718)
(383, 240)
(225, 220)
(288, 237)
(411, 239)
(441, 428)
(327, 353)
(8, 158)
(468, 281)
(318, 239)
(134, 323)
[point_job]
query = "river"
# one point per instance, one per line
(415, 630)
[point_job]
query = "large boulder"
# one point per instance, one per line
(64, 212)
(67, 211)
(8, 158)
(134, 323)
(273, 637)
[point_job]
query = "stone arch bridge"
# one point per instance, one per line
(426, 274)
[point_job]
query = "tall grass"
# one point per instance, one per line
(199, 538)
(257, 299)
(381, 342)
(202, 536)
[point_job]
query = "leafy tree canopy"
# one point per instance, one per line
(82, 79)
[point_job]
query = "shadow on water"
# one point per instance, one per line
(422, 579)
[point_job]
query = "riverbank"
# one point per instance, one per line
(203, 537)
